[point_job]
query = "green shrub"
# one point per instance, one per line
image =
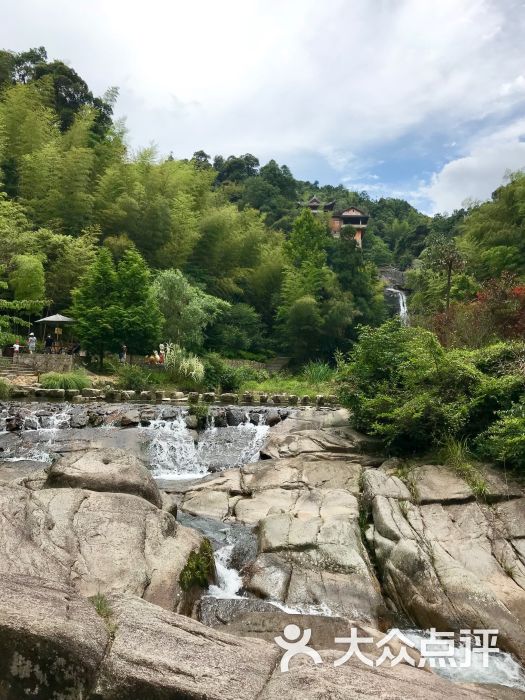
(221, 376)
(65, 380)
(133, 377)
(504, 440)
(404, 387)
(5, 389)
(199, 568)
(500, 358)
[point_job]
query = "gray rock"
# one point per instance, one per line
(272, 417)
(91, 393)
(354, 679)
(437, 484)
(52, 642)
(229, 398)
(55, 393)
(79, 419)
(377, 483)
(111, 470)
(234, 416)
(97, 542)
(192, 422)
(269, 577)
(197, 662)
(130, 419)
(208, 397)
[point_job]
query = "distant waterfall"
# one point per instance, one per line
(402, 300)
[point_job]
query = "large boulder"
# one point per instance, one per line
(97, 542)
(111, 470)
(52, 642)
(439, 564)
(158, 654)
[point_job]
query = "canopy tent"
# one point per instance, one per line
(56, 318)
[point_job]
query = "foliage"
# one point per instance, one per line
(404, 387)
(5, 389)
(285, 383)
(186, 309)
(115, 305)
(182, 365)
(65, 380)
(133, 377)
(315, 374)
(504, 440)
(199, 569)
(219, 375)
(238, 328)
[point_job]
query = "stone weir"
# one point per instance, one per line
(109, 589)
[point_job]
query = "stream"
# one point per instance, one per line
(174, 454)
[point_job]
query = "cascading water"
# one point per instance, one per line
(173, 453)
(502, 668)
(172, 450)
(402, 300)
(229, 580)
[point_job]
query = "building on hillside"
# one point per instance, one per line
(354, 217)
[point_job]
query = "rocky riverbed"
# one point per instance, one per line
(110, 589)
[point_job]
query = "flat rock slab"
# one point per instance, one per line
(341, 440)
(324, 470)
(159, 654)
(438, 484)
(52, 642)
(110, 470)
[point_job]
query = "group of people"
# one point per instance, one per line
(31, 345)
(48, 345)
(157, 357)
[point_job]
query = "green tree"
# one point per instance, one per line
(138, 319)
(96, 307)
(186, 309)
(442, 256)
(27, 279)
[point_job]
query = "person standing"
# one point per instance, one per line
(123, 354)
(16, 350)
(31, 343)
(48, 345)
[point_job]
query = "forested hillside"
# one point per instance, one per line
(229, 258)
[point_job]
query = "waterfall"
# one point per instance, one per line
(229, 580)
(173, 453)
(402, 300)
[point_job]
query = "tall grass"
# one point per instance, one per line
(65, 380)
(5, 389)
(456, 455)
(317, 374)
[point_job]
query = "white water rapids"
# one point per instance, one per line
(173, 453)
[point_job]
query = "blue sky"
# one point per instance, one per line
(408, 98)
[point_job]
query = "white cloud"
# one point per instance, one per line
(478, 173)
(284, 79)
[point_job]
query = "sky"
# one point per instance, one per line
(417, 99)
